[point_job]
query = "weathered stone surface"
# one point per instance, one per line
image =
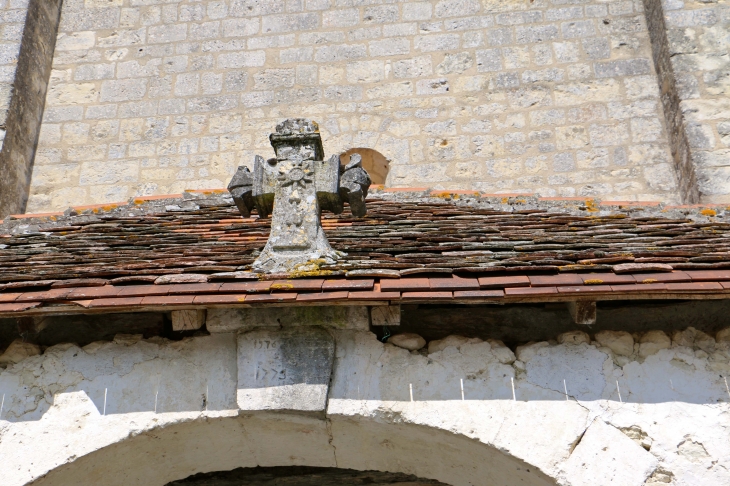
(620, 342)
(385, 315)
(285, 370)
(695, 339)
(455, 341)
(723, 336)
(18, 351)
(340, 317)
(407, 340)
(448, 92)
(678, 409)
(294, 188)
(187, 320)
(181, 278)
(652, 342)
(600, 456)
(574, 337)
(641, 267)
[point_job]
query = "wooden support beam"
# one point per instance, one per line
(187, 320)
(583, 312)
(385, 315)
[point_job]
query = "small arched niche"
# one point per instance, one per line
(372, 161)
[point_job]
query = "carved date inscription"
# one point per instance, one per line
(284, 369)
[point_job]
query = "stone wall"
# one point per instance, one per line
(698, 33)
(152, 97)
(609, 409)
(27, 37)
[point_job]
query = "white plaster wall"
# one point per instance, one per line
(675, 402)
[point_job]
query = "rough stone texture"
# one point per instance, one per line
(155, 98)
(620, 342)
(574, 337)
(285, 370)
(652, 342)
(608, 451)
(18, 351)
(674, 402)
(339, 317)
(670, 89)
(698, 44)
(450, 341)
(407, 340)
(27, 37)
(294, 188)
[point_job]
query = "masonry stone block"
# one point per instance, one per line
(446, 70)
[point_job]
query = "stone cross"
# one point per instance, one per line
(294, 187)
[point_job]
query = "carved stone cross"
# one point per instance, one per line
(294, 188)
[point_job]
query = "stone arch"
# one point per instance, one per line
(207, 444)
(372, 161)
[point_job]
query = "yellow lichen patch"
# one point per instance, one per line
(593, 281)
(241, 299)
(708, 212)
(591, 205)
(649, 280)
(310, 269)
(505, 200)
(282, 286)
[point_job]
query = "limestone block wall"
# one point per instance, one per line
(603, 410)
(27, 36)
(698, 34)
(546, 96)
(12, 21)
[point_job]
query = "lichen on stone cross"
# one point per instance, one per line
(294, 187)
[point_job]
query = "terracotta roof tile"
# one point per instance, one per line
(405, 284)
(709, 275)
(499, 247)
(194, 288)
(675, 276)
(373, 295)
(298, 285)
(143, 290)
(504, 282)
(455, 283)
(584, 289)
(270, 298)
(638, 288)
(116, 302)
(80, 282)
(168, 300)
(322, 296)
(529, 291)
(348, 284)
(606, 279)
(694, 286)
(427, 295)
(478, 294)
(93, 292)
(553, 280)
(248, 287)
(18, 307)
(219, 299)
(46, 295)
(9, 297)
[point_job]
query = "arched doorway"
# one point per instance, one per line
(302, 476)
(372, 161)
(205, 444)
